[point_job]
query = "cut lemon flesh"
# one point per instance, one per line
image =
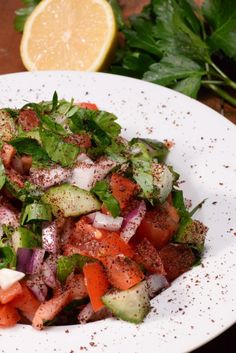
(68, 35)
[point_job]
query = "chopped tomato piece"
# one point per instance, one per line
(15, 177)
(69, 250)
(104, 210)
(9, 294)
(81, 140)
(177, 259)
(7, 154)
(90, 106)
(96, 282)
(112, 244)
(27, 163)
(123, 273)
(97, 243)
(8, 315)
(26, 302)
(147, 255)
(50, 309)
(76, 285)
(122, 189)
(84, 232)
(158, 226)
(28, 119)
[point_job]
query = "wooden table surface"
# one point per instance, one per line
(10, 62)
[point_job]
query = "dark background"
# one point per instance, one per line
(10, 61)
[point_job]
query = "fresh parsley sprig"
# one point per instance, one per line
(177, 44)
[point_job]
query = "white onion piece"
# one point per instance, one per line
(8, 217)
(83, 175)
(48, 276)
(50, 239)
(132, 222)
(91, 216)
(82, 157)
(155, 284)
(8, 277)
(47, 177)
(87, 173)
(103, 221)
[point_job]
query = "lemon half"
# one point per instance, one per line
(69, 35)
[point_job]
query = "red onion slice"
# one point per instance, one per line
(8, 217)
(36, 261)
(103, 221)
(38, 287)
(48, 276)
(51, 261)
(103, 167)
(132, 222)
(23, 259)
(47, 177)
(87, 314)
(155, 284)
(50, 237)
(67, 230)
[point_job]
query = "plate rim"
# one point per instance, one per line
(99, 74)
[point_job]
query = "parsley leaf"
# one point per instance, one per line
(100, 124)
(142, 174)
(142, 37)
(23, 13)
(221, 15)
(58, 150)
(176, 35)
(156, 149)
(101, 189)
(36, 212)
(50, 124)
(172, 68)
(7, 257)
(67, 264)
(31, 147)
(189, 86)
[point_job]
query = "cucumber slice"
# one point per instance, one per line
(69, 200)
(131, 305)
(24, 238)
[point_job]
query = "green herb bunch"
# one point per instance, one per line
(176, 44)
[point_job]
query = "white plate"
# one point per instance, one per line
(200, 304)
